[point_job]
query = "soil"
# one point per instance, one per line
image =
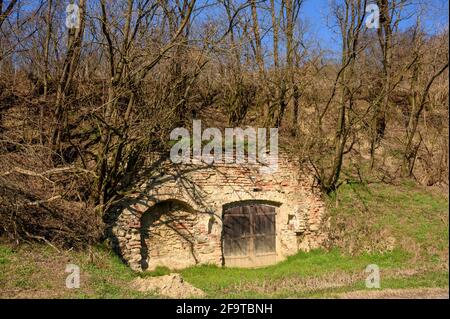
(172, 286)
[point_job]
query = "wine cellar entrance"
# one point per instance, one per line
(249, 235)
(224, 214)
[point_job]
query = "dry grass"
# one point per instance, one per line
(421, 293)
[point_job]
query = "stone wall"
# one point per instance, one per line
(176, 218)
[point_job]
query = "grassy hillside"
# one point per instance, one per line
(403, 229)
(381, 217)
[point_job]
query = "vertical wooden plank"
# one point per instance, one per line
(249, 235)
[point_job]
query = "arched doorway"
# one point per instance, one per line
(167, 237)
(249, 235)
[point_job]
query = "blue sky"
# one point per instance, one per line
(316, 14)
(317, 17)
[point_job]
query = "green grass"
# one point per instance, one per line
(38, 267)
(159, 271)
(315, 264)
(5, 255)
(108, 277)
(416, 217)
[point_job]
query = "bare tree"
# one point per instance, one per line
(350, 16)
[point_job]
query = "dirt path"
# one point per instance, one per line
(419, 293)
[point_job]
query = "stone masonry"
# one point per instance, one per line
(176, 218)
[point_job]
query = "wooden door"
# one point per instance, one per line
(249, 237)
